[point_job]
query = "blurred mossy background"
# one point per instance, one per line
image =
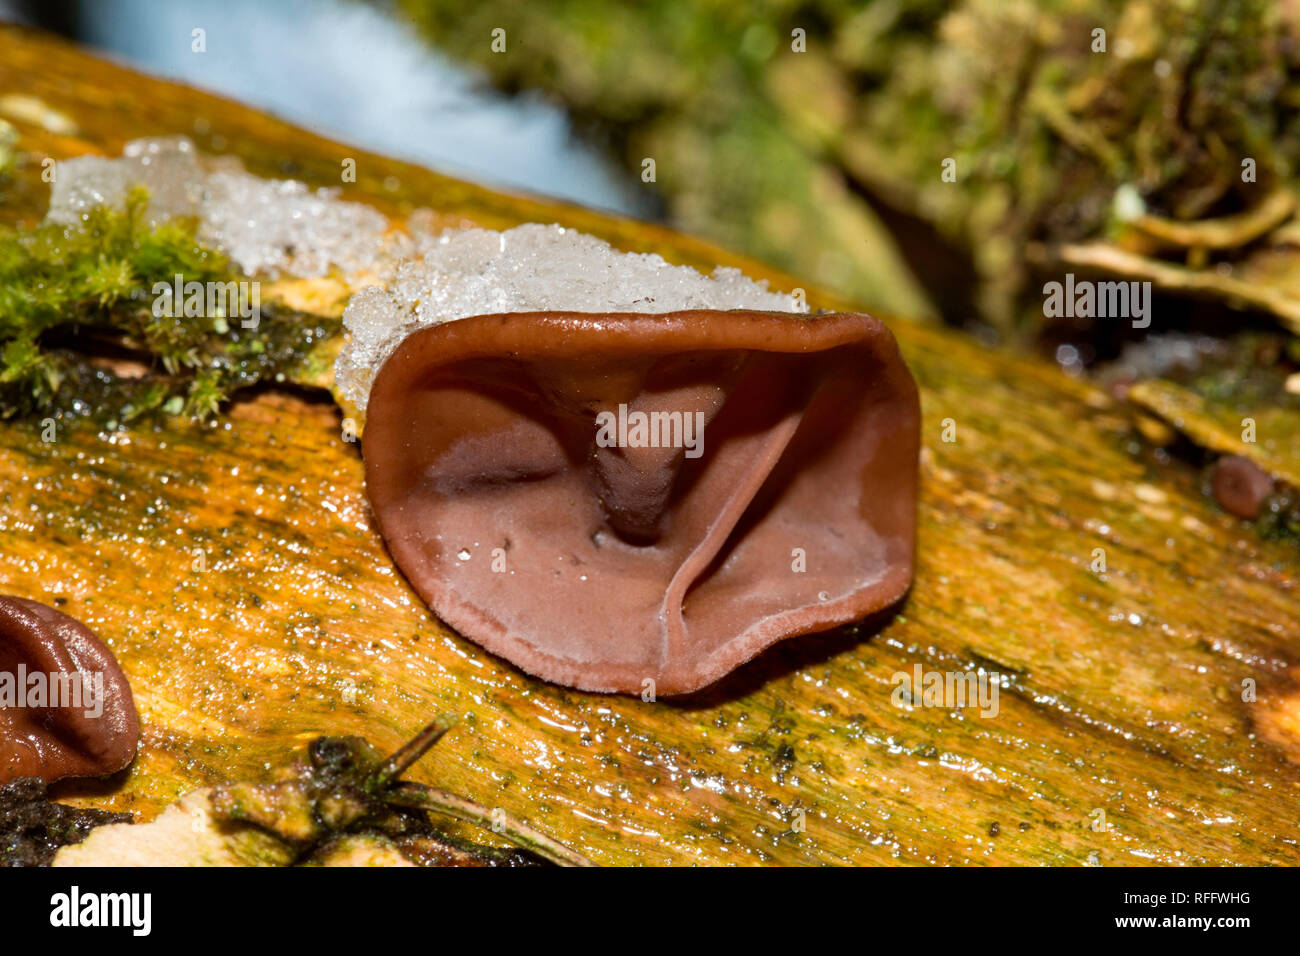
(814, 134)
(928, 158)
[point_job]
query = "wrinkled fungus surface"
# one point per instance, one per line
(66, 709)
(517, 489)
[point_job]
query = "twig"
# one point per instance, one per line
(1173, 278)
(411, 751)
(440, 801)
(1226, 232)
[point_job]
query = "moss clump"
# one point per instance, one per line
(346, 788)
(74, 299)
(32, 828)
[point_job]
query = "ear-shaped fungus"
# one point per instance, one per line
(525, 500)
(66, 708)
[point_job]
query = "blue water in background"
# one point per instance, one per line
(349, 71)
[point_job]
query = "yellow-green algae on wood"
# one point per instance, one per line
(1220, 426)
(233, 570)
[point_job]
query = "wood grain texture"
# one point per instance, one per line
(1123, 689)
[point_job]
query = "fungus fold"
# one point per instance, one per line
(761, 483)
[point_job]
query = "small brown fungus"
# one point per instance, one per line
(66, 709)
(1240, 486)
(643, 502)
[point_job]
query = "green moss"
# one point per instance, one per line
(32, 827)
(71, 294)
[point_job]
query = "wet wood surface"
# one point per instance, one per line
(234, 570)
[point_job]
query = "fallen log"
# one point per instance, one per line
(1146, 645)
